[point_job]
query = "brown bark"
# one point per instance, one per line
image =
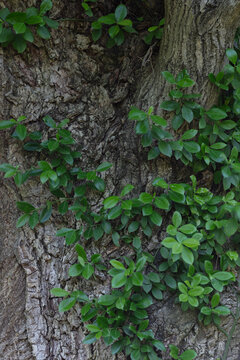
(70, 76)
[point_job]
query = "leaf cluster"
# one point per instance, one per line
(16, 27)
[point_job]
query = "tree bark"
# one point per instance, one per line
(196, 36)
(72, 77)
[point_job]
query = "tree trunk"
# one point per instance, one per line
(70, 76)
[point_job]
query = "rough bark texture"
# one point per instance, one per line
(70, 76)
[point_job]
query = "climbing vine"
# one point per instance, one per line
(199, 254)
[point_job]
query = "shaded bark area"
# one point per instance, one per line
(70, 76)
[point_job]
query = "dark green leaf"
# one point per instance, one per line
(43, 32)
(169, 77)
(66, 304)
(232, 55)
(216, 114)
(120, 12)
(104, 166)
(58, 292)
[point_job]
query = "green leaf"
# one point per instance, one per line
(232, 55)
(120, 13)
(159, 120)
(137, 278)
(169, 105)
(6, 124)
(182, 287)
(119, 280)
(25, 207)
(136, 114)
(19, 44)
(99, 184)
(186, 82)
(177, 188)
(87, 272)
(218, 146)
(161, 202)
(191, 146)
(4, 12)
(228, 124)
(63, 207)
(216, 114)
(113, 31)
(189, 134)
(110, 202)
(127, 189)
(196, 291)
(231, 227)
(187, 256)
(177, 219)
(221, 310)
(169, 242)
(146, 198)
(223, 275)
(117, 264)
(45, 213)
(89, 339)
(156, 218)
(75, 270)
(165, 148)
(174, 351)
(187, 114)
(19, 28)
(66, 304)
(147, 210)
(126, 204)
(22, 220)
(51, 23)
(98, 232)
(169, 77)
(157, 293)
(58, 292)
(115, 238)
(6, 35)
(133, 226)
(45, 6)
(160, 182)
(115, 212)
(43, 32)
(104, 166)
(188, 355)
(63, 231)
(116, 347)
(107, 300)
(188, 229)
(215, 300)
(206, 310)
(153, 153)
(33, 220)
(34, 20)
(193, 301)
(191, 243)
(141, 263)
(108, 19)
(16, 17)
(170, 281)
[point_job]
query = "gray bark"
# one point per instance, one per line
(70, 76)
